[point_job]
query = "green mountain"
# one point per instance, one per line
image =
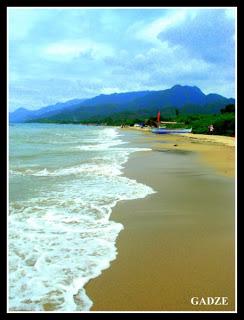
(184, 99)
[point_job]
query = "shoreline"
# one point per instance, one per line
(183, 234)
(216, 151)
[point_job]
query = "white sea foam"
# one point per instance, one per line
(76, 170)
(93, 168)
(63, 237)
(101, 146)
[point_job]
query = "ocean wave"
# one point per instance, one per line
(76, 170)
(62, 240)
(99, 147)
(99, 168)
(62, 237)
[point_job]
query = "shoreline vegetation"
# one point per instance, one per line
(222, 122)
(179, 242)
(224, 133)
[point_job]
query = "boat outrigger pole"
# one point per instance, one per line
(158, 118)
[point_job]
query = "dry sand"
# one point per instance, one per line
(179, 242)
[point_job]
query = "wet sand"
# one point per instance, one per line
(179, 242)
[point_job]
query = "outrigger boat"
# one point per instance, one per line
(170, 131)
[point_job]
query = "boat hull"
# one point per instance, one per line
(170, 131)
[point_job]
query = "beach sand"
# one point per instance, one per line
(179, 242)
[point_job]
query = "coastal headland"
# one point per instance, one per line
(179, 242)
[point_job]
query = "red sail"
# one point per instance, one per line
(158, 117)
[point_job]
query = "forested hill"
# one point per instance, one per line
(183, 99)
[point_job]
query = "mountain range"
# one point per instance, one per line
(186, 99)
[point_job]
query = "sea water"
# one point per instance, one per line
(64, 181)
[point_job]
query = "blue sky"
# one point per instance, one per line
(60, 54)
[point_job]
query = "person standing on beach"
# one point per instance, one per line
(211, 129)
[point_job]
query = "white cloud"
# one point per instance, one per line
(62, 54)
(149, 32)
(109, 90)
(20, 22)
(231, 13)
(69, 49)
